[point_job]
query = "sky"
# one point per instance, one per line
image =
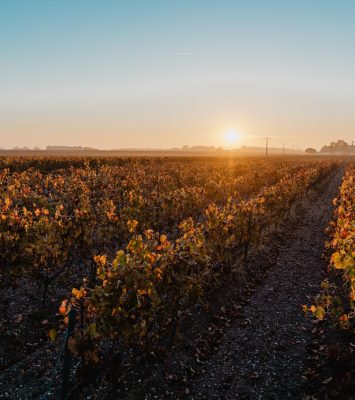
(161, 73)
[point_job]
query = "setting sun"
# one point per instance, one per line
(231, 137)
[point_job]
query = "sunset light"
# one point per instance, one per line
(231, 137)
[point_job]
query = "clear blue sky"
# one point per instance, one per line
(157, 73)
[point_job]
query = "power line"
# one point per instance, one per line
(267, 145)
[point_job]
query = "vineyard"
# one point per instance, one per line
(157, 259)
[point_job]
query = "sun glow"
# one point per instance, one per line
(231, 137)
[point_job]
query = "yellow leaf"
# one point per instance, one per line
(132, 225)
(53, 335)
(78, 293)
(100, 260)
(320, 313)
(337, 260)
(312, 308)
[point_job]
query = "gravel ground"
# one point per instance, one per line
(265, 359)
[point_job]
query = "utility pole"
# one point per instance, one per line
(266, 145)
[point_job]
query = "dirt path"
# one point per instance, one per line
(265, 359)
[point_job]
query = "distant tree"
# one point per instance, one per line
(338, 147)
(310, 150)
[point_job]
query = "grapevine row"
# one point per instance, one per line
(55, 213)
(147, 286)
